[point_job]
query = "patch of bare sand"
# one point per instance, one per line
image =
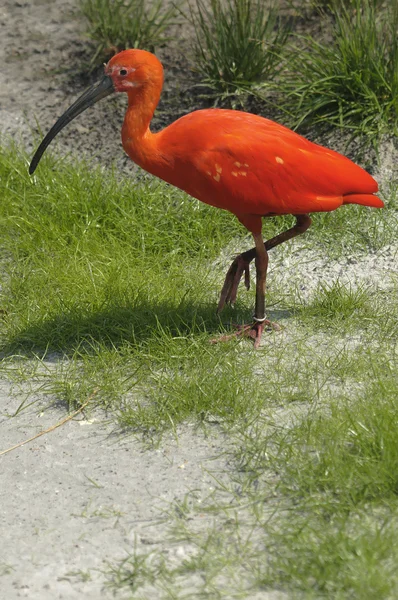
(83, 495)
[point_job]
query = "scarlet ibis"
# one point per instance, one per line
(233, 160)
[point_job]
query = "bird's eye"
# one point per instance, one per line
(123, 72)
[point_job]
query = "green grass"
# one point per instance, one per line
(115, 25)
(350, 557)
(342, 454)
(123, 279)
(110, 287)
(333, 5)
(338, 465)
(117, 278)
(238, 43)
(349, 82)
(347, 79)
(311, 508)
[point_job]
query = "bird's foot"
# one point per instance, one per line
(229, 290)
(253, 331)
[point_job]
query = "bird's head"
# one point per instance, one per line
(130, 71)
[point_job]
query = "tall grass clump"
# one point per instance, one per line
(352, 81)
(330, 5)
(238, 43)
(120, 24)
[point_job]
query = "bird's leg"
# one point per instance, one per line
(260, 321)
(241, 264)
(255, 329)
(261, 276)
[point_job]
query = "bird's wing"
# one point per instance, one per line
(279, 172)
(252, 165)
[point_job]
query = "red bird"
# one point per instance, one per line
(241, 162)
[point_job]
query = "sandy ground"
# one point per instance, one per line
(81, 495)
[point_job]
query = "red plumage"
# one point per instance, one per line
(233, 160)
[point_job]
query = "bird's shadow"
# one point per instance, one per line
(114, 326)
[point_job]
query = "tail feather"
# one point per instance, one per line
(364, 199)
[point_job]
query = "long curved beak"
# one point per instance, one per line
(88, 98)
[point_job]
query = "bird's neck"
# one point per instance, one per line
(137, 138)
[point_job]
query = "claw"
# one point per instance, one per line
(253, 331)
